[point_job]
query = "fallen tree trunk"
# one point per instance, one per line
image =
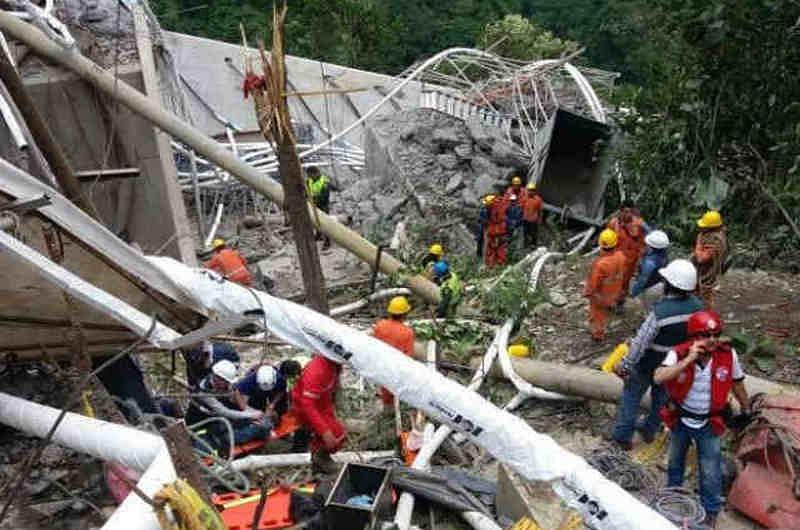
(594, 384)
(208, 147)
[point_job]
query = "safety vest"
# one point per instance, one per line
(672, 313)
(721, 385)
(316, 187)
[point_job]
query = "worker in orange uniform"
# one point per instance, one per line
(531, 214)
(313, 399)
(604, 283)
(394, 332)
(515, 188)
(496, 231)
(631, 231)
(229, 264)
(710, 254)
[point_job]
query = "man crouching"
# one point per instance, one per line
(698, 377)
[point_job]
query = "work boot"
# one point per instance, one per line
(622, 444)
(646, 435)
(710, 521)
(620, 308)
(323, 464)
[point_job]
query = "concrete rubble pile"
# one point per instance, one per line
(423, 162)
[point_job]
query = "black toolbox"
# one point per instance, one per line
(354, 480)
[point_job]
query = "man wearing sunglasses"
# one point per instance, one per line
(698, 376)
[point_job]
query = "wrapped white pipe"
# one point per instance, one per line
(214, 226)
(107, 441)
(378, 295)
(250, 463)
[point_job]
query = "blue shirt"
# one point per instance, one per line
(654, 260)
(248, 385)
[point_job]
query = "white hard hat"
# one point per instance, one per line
(681, 274)
(657, 239)
(266, 377)
(225, 370)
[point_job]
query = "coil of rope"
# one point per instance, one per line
(618, 466)
(679, 506)
(187, 511)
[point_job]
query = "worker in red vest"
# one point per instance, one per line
(515, 188)
(698, 376)
(229, 264)
(394, 332)
(313, 399)
(495, 233)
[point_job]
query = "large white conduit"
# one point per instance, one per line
(535, 456)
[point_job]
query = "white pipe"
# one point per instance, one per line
(253, 462)
(13, 125)
(378, 295)
(104, 440)
(214, 227)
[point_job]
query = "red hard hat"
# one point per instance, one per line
(704, 322)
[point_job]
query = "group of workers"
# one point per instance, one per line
(678, 352)
(503, 216)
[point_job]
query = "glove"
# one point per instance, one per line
(740, 421)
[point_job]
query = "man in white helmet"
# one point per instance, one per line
(216, 397)
(664, 328)
(649, 282)
(265, 387)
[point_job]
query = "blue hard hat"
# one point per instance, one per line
(441, 268)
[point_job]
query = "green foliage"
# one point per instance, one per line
(520, 38)
(512, 297)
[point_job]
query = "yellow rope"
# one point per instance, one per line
(86, 399)
(574, 522)
(526, 523)
(187, 510)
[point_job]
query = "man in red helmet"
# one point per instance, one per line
(698, 376)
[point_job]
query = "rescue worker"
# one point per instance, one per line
(655, 258)
(435, 253)
(698, 375)
(229, 264)
(202, 356)
(215, 396)
(631, 231)
(531, 214)
(514, 219)
(483, 220)
(265, 387)
(318, 188)
(515, 188)
(495, 241)
(312, 403)
(710, 253)
(604, 283)
(394, 332)
(663, 328)
(450, 288)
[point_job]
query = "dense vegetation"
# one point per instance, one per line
(712, 86)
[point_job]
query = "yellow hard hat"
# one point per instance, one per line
(488, 199)
(710, 219)
(608, 238)
(531, 185)
(516, 181)
(398, 306)
(219, 242)
(436, 249)
(519, 350)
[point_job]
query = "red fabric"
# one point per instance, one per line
(251, 83)
(495, 236)
(532, 206)
(604, 282)
(231, 265)
(766, 497)
(399, 336)
(313, 397)
(721, 385)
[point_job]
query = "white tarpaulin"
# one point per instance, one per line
(603, 504)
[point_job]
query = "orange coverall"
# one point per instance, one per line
(532, 207)
(399, 336)
(631, 243)
(710, 249)
(495, 238)
(231, 265)
(313, 398)
(603, 286)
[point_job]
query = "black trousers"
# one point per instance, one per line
(531, 231)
